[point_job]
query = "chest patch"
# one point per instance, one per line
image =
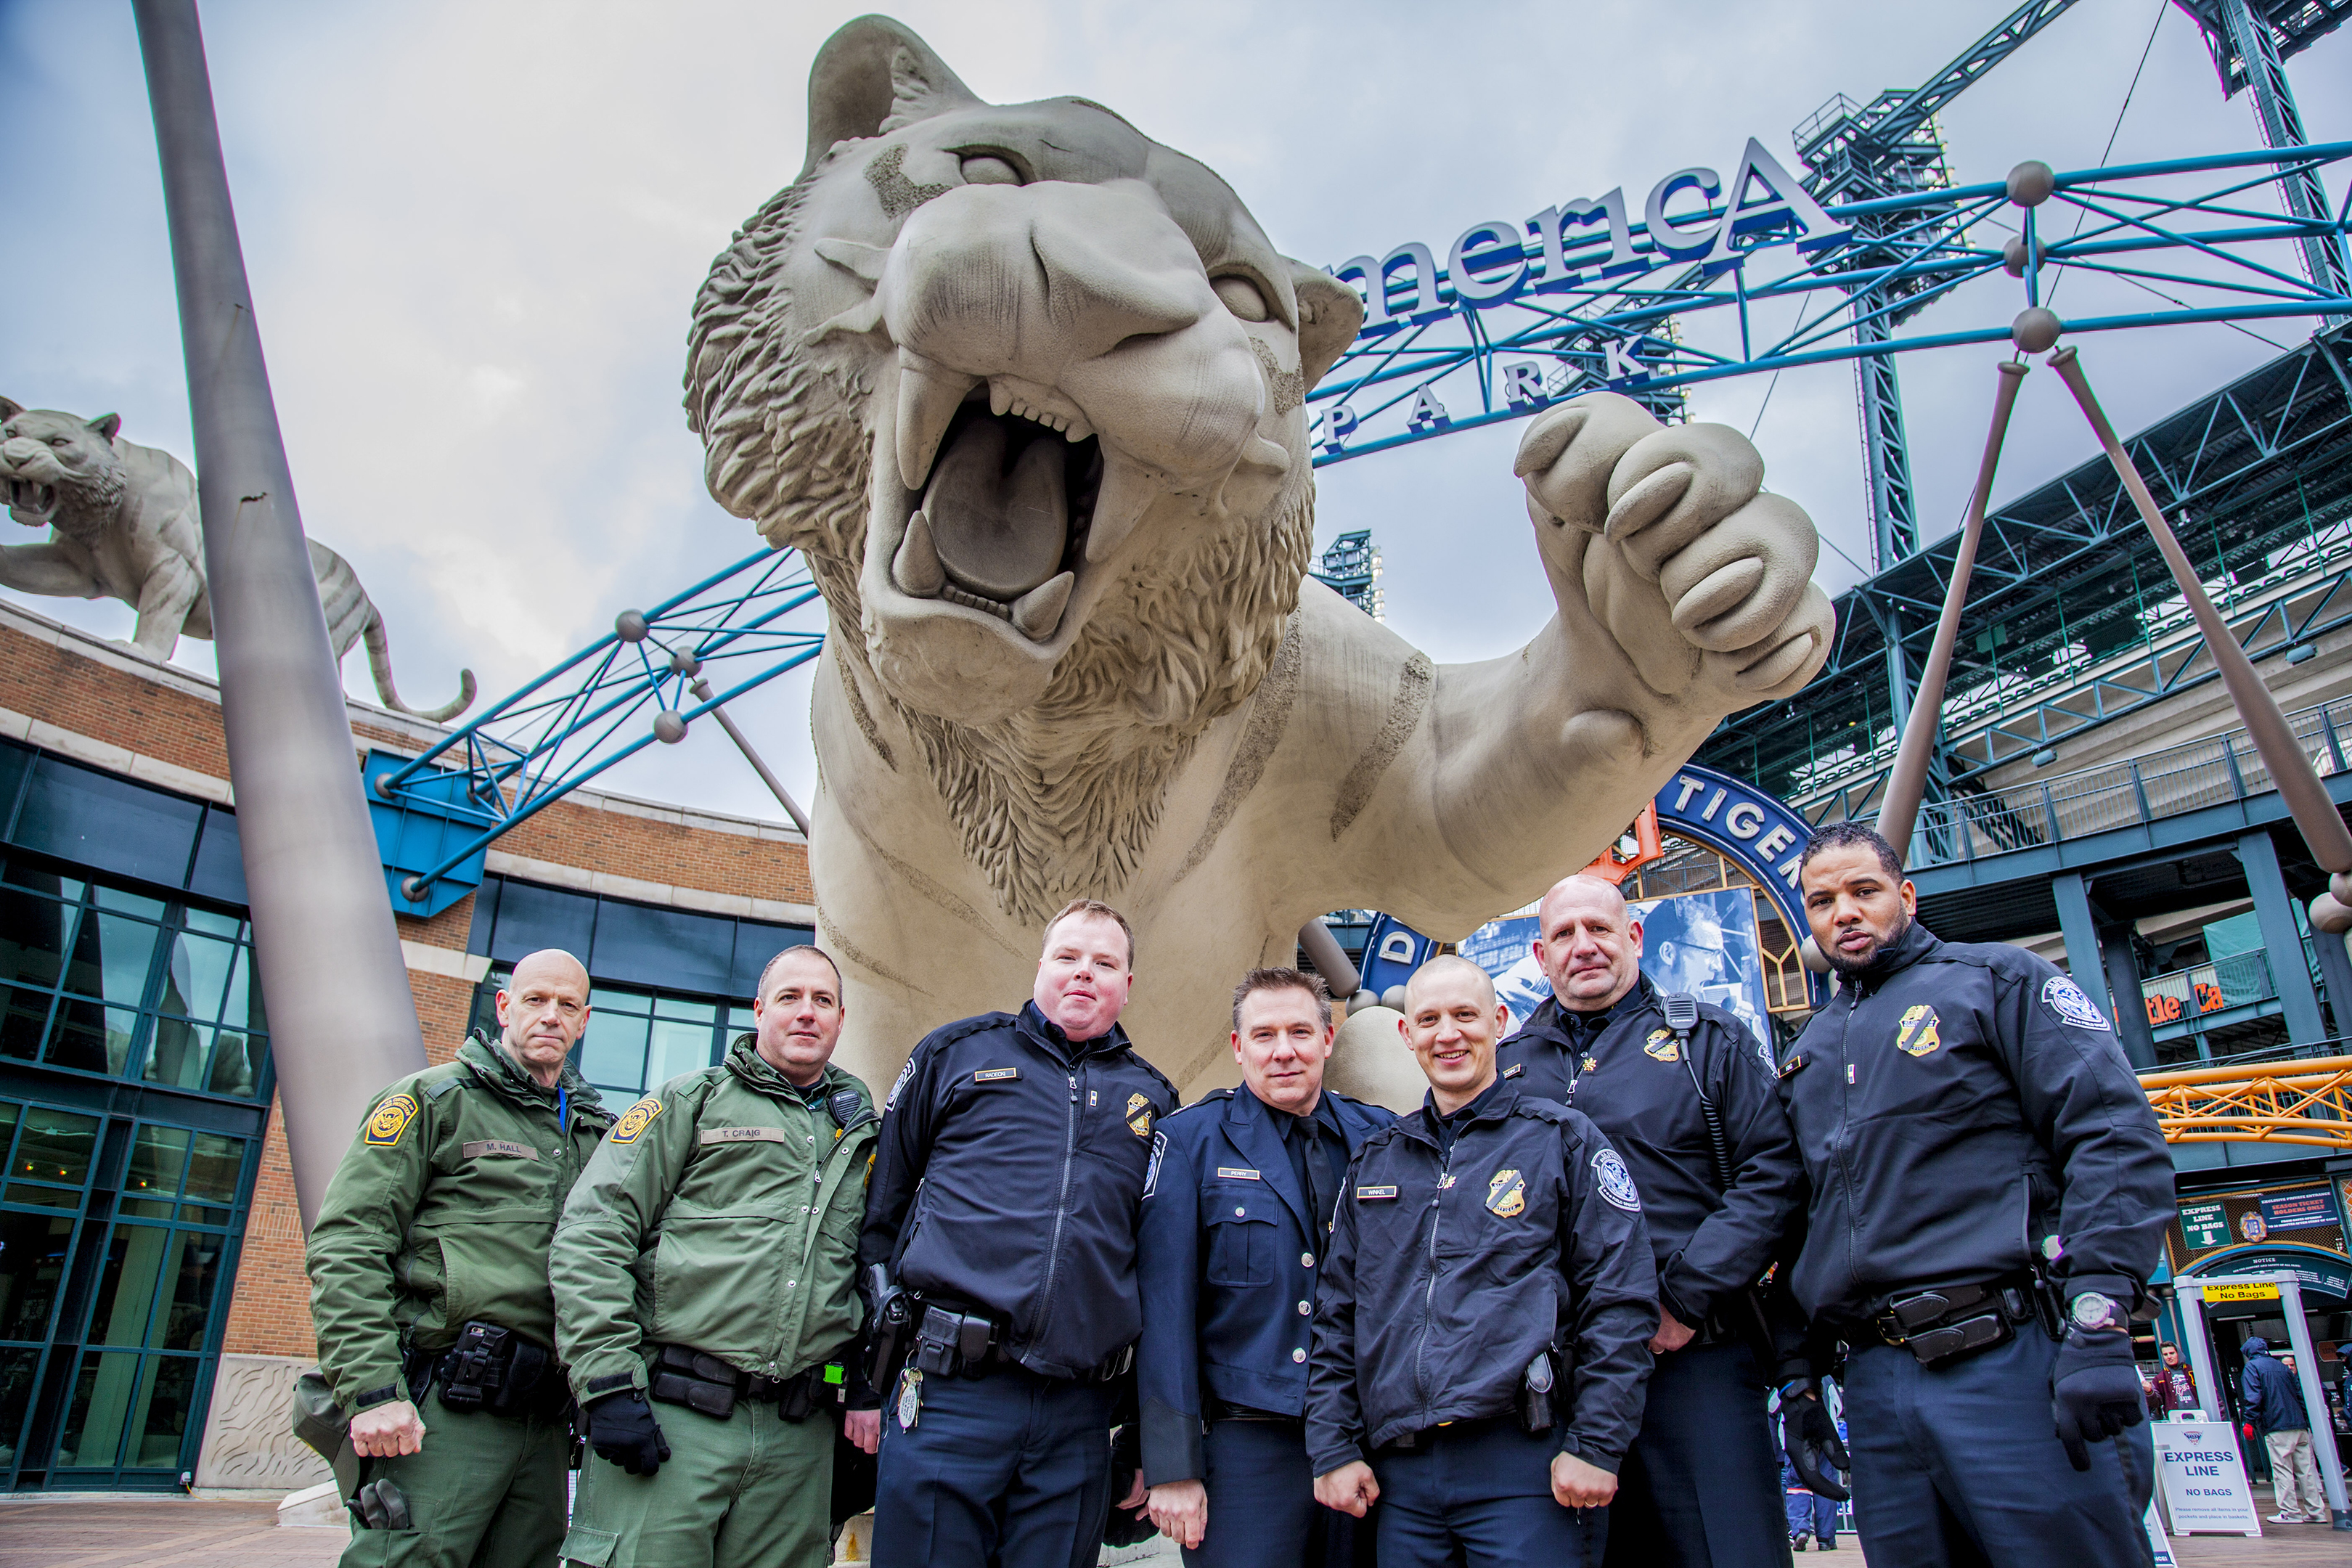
(1139, 1116)
(1374, 1194)
(1506, 1194)
(497, 1148)
(390, 1120)
(634, 1119)
(711, 1135)
(1662, 1045)
(996, 1075)
(1515, 1069)
(1615, 1181)
(1916, 1035)
(2068, 1005)
(1237, 1173)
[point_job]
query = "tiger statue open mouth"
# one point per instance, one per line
(1028, 390)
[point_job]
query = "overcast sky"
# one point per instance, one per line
(475, 230)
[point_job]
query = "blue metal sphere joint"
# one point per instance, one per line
(630, 625)
(669, 727)
(2031, 183)
(684, 663)
(2036, 329)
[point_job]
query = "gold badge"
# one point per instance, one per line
(1139, 1116)
(1663, 1046)
(1916, 1035)
(390, 1120)
(634, 1119)
(1506, 1194)
(1589, 1065)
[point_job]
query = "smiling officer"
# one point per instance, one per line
(1482, 1329)
(1012, 1157)
(1711, 1150)
(1989, 1194)
(1236, 1213)
(428, 1283)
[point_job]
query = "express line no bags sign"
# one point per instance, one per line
(2203, 1483)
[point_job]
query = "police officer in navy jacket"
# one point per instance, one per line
(1989, 1194)
(1236, 1212)
(1701, 1486)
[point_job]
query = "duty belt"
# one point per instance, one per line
(1946, 1321)
(491, 1369)
(681, 1374)
(954, 1339)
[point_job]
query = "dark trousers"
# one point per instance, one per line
(1478, 1495)
(1262, 1507)
(1961, 1465)
(1007, 1470)
(1811, 1515)
(1701, 1486)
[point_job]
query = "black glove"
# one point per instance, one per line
(1809, 1437)
(2094, 1391)
(378, 1505)
(622, 1428)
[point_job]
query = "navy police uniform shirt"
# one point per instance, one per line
(1626, 1069)
(1231, 1250)
(1460, 1253)
(1009, 1169)
(1956, 1105)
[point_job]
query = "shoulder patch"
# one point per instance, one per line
(898, 1083)
(388, 1120)
(635, 1120)
(1616, 1180)
(2068, 1004)
(1151, 1171)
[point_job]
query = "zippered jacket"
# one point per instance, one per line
(1960, 1108)
(1710, 1243)
(721, 1212)
(441, 1214)
(1449, 1273)
(1011, 1166)
(2273, 1398)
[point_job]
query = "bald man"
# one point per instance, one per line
(1721, 1179)
(428, 1287)
(1481, 1329)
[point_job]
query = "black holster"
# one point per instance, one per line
(1946, 1322)
(952, 1343)
(1537, 1384)
(491, 1369)
(681, 1376)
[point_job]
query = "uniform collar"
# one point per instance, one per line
(1553, 1020)
(744, 1061)
(1493, 1103)
(1048, 1033)
(492, 1064)
(1916, 944)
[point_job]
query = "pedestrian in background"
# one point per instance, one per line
(2275, 1408)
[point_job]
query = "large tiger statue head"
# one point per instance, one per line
(59, 470)
(1026, 388)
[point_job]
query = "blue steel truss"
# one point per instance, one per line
(436, 814)
(1509, 357)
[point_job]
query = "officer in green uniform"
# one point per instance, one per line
(704, 1298)
(428, 1283)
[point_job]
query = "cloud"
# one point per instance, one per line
(474, 232)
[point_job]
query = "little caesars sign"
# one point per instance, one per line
(1594, 246)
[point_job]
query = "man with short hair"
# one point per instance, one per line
(1696, 1119)
(1481, 1334)
(1985, 1168)
(1236, 1217)
(428, 1283)
(2275, 1405)
(706, 1297)
(1004, 1202)
(2176, 1383)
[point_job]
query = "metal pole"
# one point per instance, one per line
(2210, 1397)
(342, 1020)
(2314, 1402)
(1900, 808)
(2299, 188)
(701, 689)
(2283, 755)
(1330, 960)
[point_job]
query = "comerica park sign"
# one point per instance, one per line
(1693, 219)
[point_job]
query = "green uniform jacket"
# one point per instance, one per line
(441, 1214)
(721, 1213)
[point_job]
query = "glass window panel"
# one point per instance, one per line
(10, 1109)
(211, 924)
(159, 1421)
(17, 1368)
(739, 1021)
(236, 1063)
(191, 1270)
(111, 956)
(201, 1214)
(47, 1197)
(196, 976)
(102, 1397)
(677, 1048)
(148, 1208)
(92, 1039)
(612, 1052)
(214, 1173)
(32, 1264)
(177, 1056)
(24, 1018)
(36, 934)
(605, 998)
(673, 1007)
(115, 898)
(241, 1006)
(127, 1285)
(157, 1158)
(21, 874)
(54, 1146)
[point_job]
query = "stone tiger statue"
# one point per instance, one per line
(123, 524)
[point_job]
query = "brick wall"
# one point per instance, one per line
(61, 679)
